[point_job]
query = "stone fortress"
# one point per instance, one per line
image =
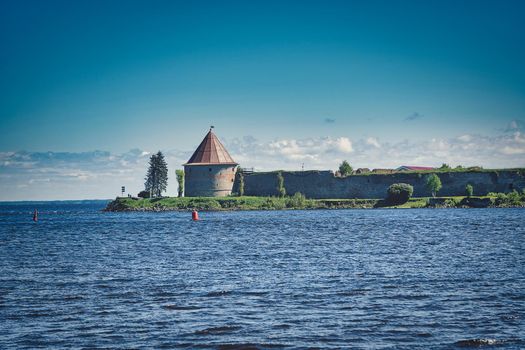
(212, 172)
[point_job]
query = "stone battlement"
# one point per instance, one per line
(324, 184)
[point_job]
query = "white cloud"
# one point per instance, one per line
(512, 150)
(505, 150)
(99, 174)
(288, 153)
(465, 138)
(372, 141)
(519, 137)
(344, 145)
(65, 175)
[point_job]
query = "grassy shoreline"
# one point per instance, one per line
(295, 202)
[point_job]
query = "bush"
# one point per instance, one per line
(451, 203)
(273, 203)
(399, 193)
(511, 199)
(514, 198)
(469, 190)
(298, 200)
(143, 194)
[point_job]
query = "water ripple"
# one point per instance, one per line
(366, 279)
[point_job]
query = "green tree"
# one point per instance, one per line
(469, 190)
(433, 184)
(180, 180)
(157, 175)
(280, 185)
(241, 183)
(345, 169)
(445, 166)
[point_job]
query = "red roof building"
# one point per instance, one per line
(210, 172)
(211, 151)
(413, 168)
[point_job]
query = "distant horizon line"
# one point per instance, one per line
(7, 202)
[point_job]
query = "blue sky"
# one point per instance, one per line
(311, 81)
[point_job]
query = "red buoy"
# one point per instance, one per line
(35, 216)
(195, 215)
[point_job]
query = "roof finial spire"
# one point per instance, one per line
(211, 127)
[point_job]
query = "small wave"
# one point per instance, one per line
(104, 286)
(34, 314)
(282, 326)
(180, 307)
(249, 346)
(510, 317)
(358, 291)
(236, 346)
(476, 343)
(411, 296)
(424, 335)
(218, 330)
(164, 294)
(390, 286)
(256, 293)
(219, 293)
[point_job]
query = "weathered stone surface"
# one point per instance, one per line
(213, 180)
(323, 184)
(477, 202)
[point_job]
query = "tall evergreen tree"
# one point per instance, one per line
(157, 176)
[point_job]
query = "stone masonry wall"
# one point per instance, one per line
(212, 180)
(323, 184)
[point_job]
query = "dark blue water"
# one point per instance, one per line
(81, 278)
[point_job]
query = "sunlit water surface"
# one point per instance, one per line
(81, 278)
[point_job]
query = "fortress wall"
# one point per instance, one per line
(213, 180)
(323, 184)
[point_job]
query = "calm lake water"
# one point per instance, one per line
(81, 278)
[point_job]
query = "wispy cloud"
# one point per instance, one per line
(99, 174)
(506, 150)
(329, 120)
(63, 175)
(414, 116)
(372, 141)
(515, 125)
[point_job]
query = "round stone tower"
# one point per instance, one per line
(210, 172)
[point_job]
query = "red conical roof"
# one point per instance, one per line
(211, 151)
